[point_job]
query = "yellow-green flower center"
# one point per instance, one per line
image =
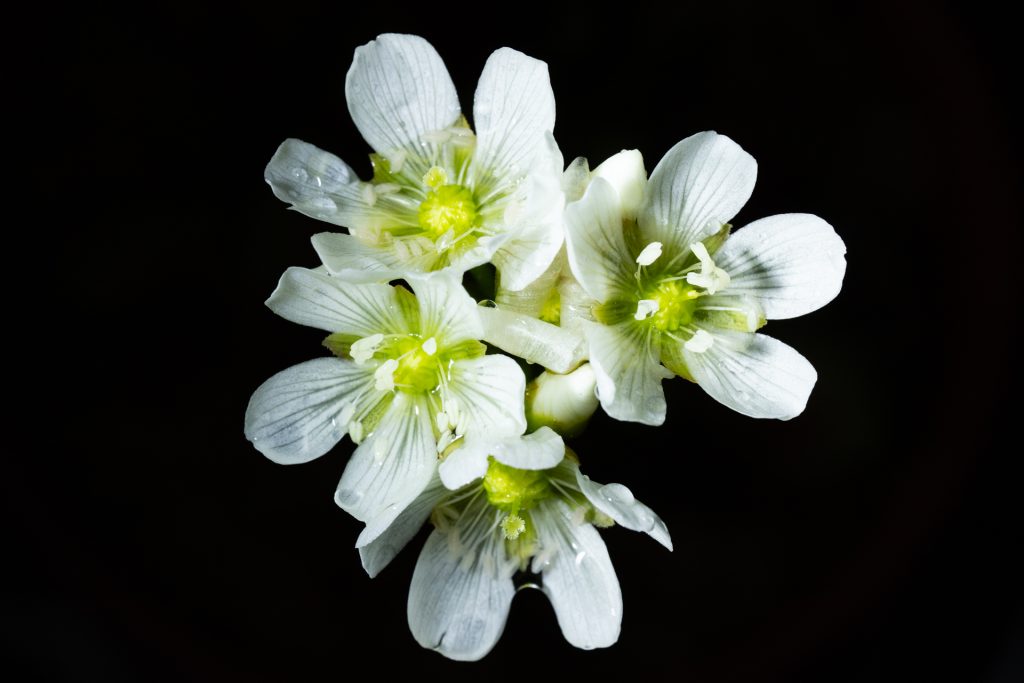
(512, 489)
(448, 208)
(676, 302)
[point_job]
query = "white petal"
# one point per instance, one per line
(541, 450)
(626, 173)
(316, 183)
(301, 413)
(533, 340)
(309, 298)
(393, 465)
(628, 371)
(533, 217)
(489, 391)
(575, 179)
(596, 245)
(530, 300)
(456, 607)
(579, 579)
(513, 110)
(617, 501)
(755, 375)
(398, 90)
(466, 463)
(347, 258)
(386, 535)
(446, 310)
(792, 263)
(564, 402)
(700, 184)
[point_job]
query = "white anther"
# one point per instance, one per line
(649, 254)
(429, 347)
(386, 188)
(442, 421)
(645, 308)
(355, 432)
(384, 376)
(369, 194)
(710, 277)
(362, 350)
(396, 160)
(700, 342)
(436, 137)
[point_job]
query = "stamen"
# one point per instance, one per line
(436, 137)
(435, 177)
(649, 254)
(700, 342)
(430, 346)
(386, 188)
(355, 432)
(396, 159)
(384, 376)
(369, 194)
(362, 350)
(645, 308)
(710, 277)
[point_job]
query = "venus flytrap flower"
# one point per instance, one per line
(505, 506)
(409, 379)
(442, 197)
(665, 290)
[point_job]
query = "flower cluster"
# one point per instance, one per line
(605, 282)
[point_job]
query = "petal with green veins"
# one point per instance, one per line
(393, 464)
(579, 579)
(753, 374)
(302, 412)
(625, 359)
(446, 310)
(792, 263)
(513, 109)
(346, 257)
(386, 535)
(617, 501)
(398, 90)
(489, 392)
(458, 604)
(317, 184)
(319, 300)
(626, 173)
(701, 183)
(595, 242)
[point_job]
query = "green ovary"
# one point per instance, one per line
(676, 303)
(513, 490)
(449, 207)
(417, 370)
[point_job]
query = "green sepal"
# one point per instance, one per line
(470, 348)
(715, 242)
(340, 344)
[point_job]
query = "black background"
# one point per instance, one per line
(870, 539)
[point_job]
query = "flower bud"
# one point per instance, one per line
(562, 402)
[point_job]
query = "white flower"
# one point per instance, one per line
(516, 505)
(409, 379)
(441, 197)
(671, 292)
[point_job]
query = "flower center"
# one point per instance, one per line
(673, 303)
(513, 490)
(448, 208)
(409, 361)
